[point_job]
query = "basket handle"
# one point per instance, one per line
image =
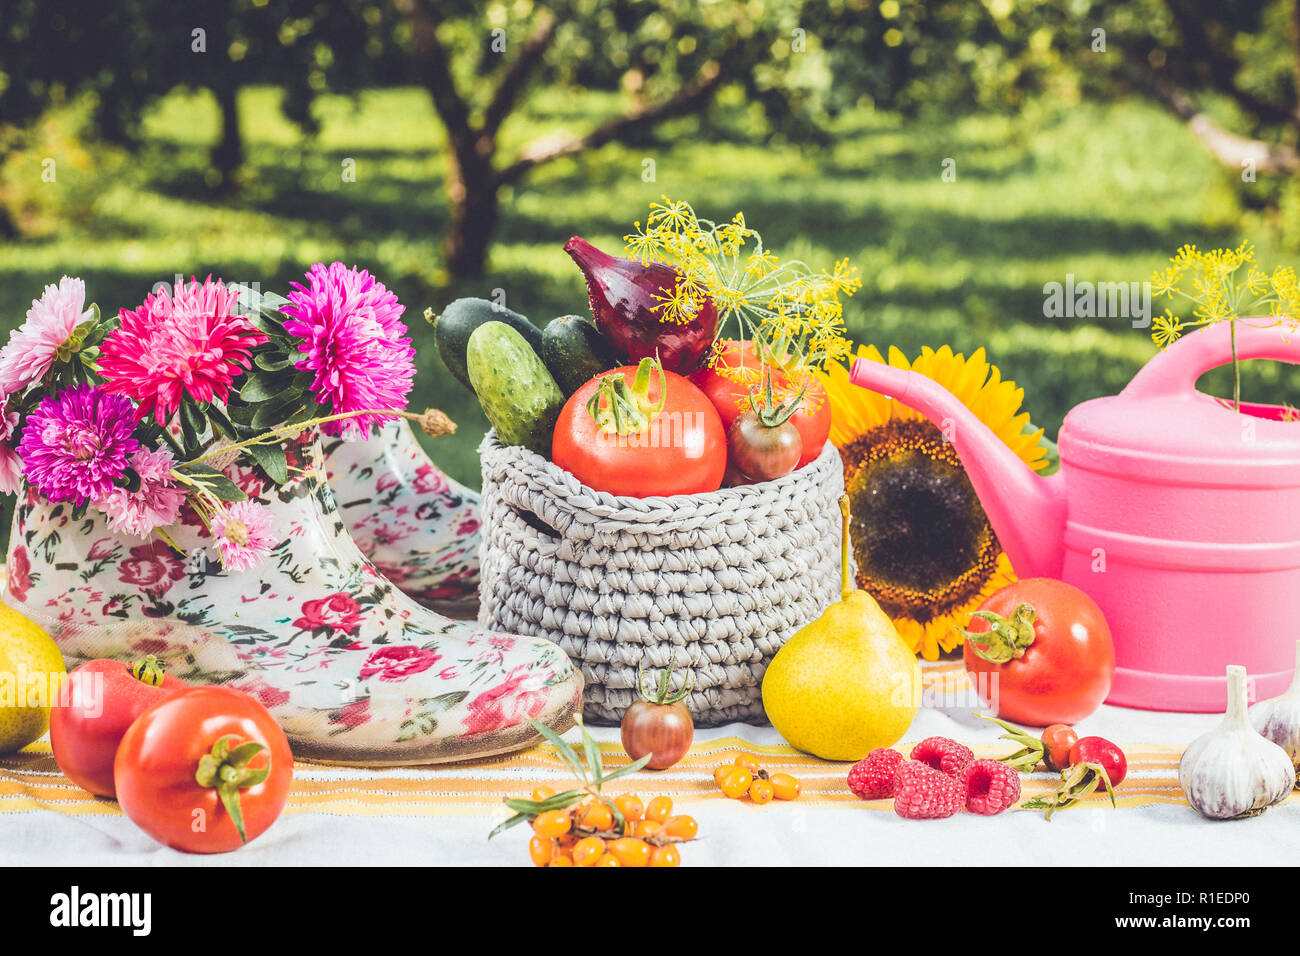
(534, 521)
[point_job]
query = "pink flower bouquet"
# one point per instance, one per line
(127, 415)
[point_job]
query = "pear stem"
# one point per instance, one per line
(846, 584)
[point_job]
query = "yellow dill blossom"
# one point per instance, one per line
(793, 314)
(1166, 328)
(1223, 285)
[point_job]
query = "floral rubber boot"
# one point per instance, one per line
(418, 526)
(354, 670)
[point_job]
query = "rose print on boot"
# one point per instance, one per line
(418, 526)
(353, 669)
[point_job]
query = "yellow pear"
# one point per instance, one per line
(846, 683)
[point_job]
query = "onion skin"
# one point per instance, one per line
(621, 293)
(663, 730)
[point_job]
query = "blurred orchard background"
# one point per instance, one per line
(451, 148)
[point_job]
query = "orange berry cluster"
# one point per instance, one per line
(586, 834)
(743, 777)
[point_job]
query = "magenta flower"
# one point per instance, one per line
(189, 342)
(75, 445)
(354, 341)
(244, 534)
(33, 348)
(155, 504)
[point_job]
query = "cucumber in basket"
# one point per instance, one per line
(575, 352)
(453, 328)
(518, 394)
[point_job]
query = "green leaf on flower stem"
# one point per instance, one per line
(222, 423)
(272, 413)
(272, 360)
(212, 481)
(272, 460)
(262, 386)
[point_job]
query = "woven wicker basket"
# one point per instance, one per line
(717, 581)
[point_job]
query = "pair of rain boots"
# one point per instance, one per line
(342, 632)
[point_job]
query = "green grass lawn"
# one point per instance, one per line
(1105, 192)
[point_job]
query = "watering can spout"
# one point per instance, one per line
(1027, 512)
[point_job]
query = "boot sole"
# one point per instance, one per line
(444, 750)
(456, 750)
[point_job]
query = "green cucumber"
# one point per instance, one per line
(452, 329)
(575, 352)
(518, 394)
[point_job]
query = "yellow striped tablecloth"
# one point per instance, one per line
(30, 781)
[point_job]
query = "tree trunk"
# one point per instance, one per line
(228, 155)
(475, 206)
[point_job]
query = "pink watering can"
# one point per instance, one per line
(1179, 516)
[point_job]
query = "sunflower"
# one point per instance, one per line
(924, 546)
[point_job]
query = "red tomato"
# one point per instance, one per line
(205, 731)
(730, 398)
(1100, 751)
(681, 451)
(95, 706)
(1066, 669)
(664, 731)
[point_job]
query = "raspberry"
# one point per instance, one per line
(923, 793)
(943, 754)
(872, 777)
(990, 787)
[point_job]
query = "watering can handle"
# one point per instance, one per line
(1175, 370)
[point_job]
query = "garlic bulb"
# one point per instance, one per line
(1279, 719)
(1232, 771)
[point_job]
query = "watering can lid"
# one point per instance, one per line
(1161, 427)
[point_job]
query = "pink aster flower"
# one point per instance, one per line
(155, 504)
(50, 321)
(354, 341)
(11, 466)
(190, 342)
(244, 534)
(75, 445)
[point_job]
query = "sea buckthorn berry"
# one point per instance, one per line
(748, 762)
(630, 851)
(646, 828)
(598, 817)
(543, 793)
(630, 805)
(760, 791)
(736, 783)
(658, 809)
(785, 787)
(552, 823)
(608, 859)
(560, 860)
(665, 856)
(541, 850)
(683, 827)
(722, 771)
(588, 850)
